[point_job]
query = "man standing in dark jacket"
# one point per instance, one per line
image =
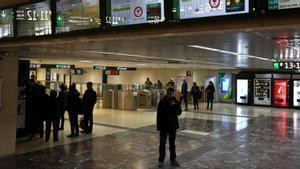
(74, 107)
(167, 123)
(89, 100)
(62, 102)
(184, 89)
(52, 116)
(210, 92)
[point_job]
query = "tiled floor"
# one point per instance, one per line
(230, 136)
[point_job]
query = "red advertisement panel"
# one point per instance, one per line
(280, 93)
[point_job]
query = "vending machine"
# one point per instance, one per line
(281, 92)
(262, 92)
(242, 91)
(296, 93)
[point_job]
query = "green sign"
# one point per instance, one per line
(276, 66)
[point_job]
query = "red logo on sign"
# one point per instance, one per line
(138, 11)
(214, 3)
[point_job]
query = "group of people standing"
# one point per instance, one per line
(197, 94)
(50, 109)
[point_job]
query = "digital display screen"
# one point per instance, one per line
(186, 9)
(286, 66)
(128, 12)
(242, 91)
(280, 93)
(262, 92)
(6, 23)
(34, 19)
(225, 85)
(296, 93)
(77, 15)
(283, 4)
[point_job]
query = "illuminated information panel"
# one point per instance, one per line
(34, 19)
(187, 9)
(128, 12)
(77, 15)
(286, 65)
(283, 4)
(6, 23)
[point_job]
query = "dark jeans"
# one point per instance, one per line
(211, 101)
(185, 100)
(36, 127)
(196, 103)
(55, 124)
(62, 118)
(162, 146)
(73, 116)
(88, 119)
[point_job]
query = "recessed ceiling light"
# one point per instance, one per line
(85, 61)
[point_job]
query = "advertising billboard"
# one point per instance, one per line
(6, 23)
(186, 9)
(34, 19)
(128, 12)
(242, 91)
(280, 93)
(77, 15)
(296, 93)
(262, 92)
(283, 4)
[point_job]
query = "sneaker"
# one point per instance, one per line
(175, 164)
(160, 164)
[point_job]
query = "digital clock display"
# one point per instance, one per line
(34, 19)
(286, 65)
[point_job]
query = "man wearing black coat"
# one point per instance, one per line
(52, 116)
(74, 107)
(89, 100)
(210, 92)
(167, 123)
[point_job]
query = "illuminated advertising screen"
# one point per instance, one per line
(280, 93)
(77, 15)
(283, 4)
(6, 23)
(296, 93)
(34, 19)
(128, 12)
(262, 92)
(186, 9)
(242, 91)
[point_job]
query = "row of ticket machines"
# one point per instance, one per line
(273, 89)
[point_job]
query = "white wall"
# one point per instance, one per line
(8, 113)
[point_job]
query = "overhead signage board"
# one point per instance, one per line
(283, 4)
(34, 19)
(129, 12)
(77, 15)
(286, 65)
(187, 9)
(6, 23)
(114, 68)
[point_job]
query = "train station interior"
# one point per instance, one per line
(130, 51)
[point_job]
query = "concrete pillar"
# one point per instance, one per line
(8, 111)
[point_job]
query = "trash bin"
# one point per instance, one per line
(144, 99)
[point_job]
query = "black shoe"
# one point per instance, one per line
(61, 128)
(83, 131)
(160, 164)
(175, 163)
(55, 140)
(71, 135)
(76, 135)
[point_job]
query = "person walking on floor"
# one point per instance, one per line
(184, 88)
(210, 92)
(167, 123)
(89, 100)
(62, 102)
(52, 117)
(196, 93)
(74, 107)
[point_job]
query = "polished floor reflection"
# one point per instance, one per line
(230, 136)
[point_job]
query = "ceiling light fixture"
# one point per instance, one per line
(229, 52)
(85, 61)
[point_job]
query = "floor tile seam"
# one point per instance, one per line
(221, 114)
